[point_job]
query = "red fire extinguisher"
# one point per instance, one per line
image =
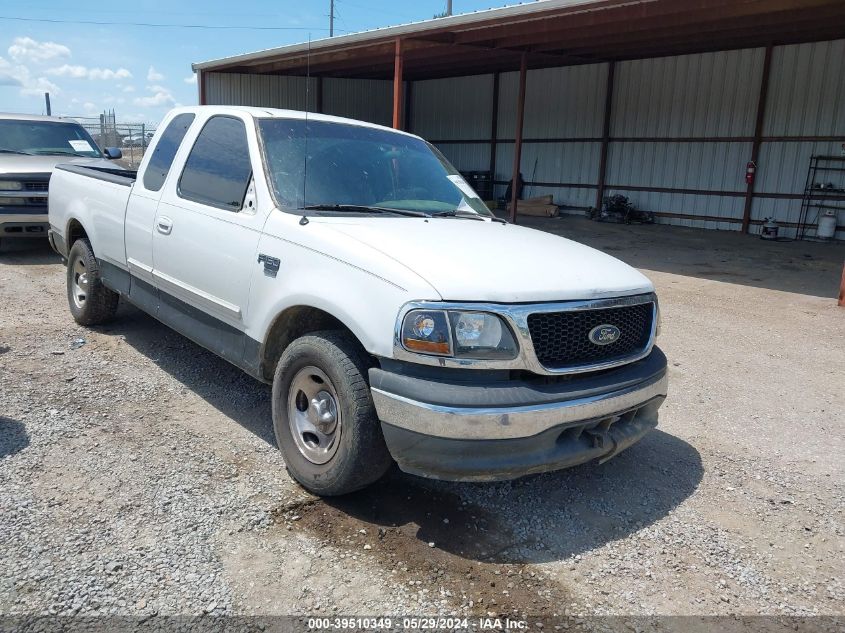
(750, 170)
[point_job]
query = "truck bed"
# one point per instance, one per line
(95, 199)
(116, 175)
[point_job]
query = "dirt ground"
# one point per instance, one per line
(139, 474)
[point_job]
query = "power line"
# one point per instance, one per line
(154, 25)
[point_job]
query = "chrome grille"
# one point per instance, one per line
(561, 339)
(36, 186)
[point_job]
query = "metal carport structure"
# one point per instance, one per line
(759, 65)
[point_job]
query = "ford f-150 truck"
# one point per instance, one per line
(353, 268)
(30, 147)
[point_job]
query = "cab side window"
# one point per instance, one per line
(165, 151)
(218, 171)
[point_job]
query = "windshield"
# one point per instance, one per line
(356, 166)
(46, 138)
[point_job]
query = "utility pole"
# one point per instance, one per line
(47, 101)
(331, 18)
(448, 7)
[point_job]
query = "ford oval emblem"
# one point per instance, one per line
(604, 334)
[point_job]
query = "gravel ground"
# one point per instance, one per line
(139, 475)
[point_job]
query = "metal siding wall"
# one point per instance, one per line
(453, 109)
(467, 156)
(364, 99)
(706, 166)
(806, 98)
(559, 103)
(269, 91)
(708, 94)
(807, 90)
(701, 96)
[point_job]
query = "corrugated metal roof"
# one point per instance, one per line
(552, 33)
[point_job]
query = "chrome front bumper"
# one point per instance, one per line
(503, 423)
(591, 418)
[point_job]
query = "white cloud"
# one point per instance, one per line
(26, 49)
(89, 107)
(161, 97)
(192, 79)
(19, 75)
(129, 89)
(8, 76)
(153, 75)
(81, 72)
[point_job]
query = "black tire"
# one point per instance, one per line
(97, 304)
(361, 455)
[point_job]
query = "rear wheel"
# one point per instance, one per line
(323, 415)
(90, 302)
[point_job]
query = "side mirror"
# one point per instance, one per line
(113, 153)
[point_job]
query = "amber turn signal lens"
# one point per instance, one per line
(426, 347)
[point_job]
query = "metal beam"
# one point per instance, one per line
(517, 150)
(605, 136)
(201, 95)
(397, 85)
(842, 288)
(494, 128)
(758, 133)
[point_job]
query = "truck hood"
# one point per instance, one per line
(20, 164)
(469, 260)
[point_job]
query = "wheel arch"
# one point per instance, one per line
(290, 324)
(75, 230)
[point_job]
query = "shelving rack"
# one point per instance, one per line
(823, 170)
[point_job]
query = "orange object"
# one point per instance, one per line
(432, 347)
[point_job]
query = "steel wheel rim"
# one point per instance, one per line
(81, 283)
(314, 415)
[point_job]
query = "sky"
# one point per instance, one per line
(143, 71)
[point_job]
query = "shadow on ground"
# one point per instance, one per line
(13, 437)
(536, 519)
(27, 252)
(224, 386)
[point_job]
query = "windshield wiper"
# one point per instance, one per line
(14, 151)
(363, 208)
(59, 152)
(469, 215)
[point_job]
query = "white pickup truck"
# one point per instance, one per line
(353, 268)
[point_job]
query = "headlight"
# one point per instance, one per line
(477, 335)
(10, 185)
(427, 332)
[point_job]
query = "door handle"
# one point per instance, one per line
(164, 225)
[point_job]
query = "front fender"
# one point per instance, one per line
(364, 302)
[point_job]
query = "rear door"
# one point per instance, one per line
(142, 206)
(206, 234)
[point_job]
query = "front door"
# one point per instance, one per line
(205, 238)
(141, 210)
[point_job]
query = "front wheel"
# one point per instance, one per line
(323, 415)
(90, 302)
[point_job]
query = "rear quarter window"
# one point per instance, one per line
(165, 151)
